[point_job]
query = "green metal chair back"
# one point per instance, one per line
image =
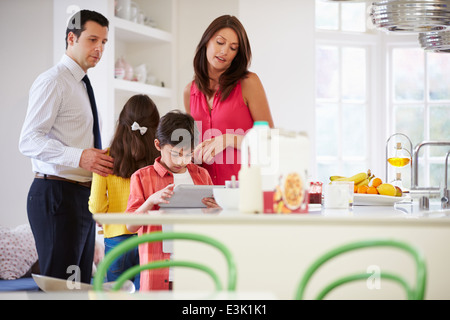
(416, 292)
(133, 242)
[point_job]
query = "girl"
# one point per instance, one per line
(132, 148)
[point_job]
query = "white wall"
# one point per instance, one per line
(282, 40)
(194, 16)
(27, 50)
(281, 35)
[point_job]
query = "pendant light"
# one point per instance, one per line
(411, 15)
(435, 41)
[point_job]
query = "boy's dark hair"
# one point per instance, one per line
(177, 128)
(77, 22)
(130, 149)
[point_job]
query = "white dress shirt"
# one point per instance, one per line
(58, 125)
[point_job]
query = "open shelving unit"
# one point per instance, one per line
(154, 47)
(138, 44)
(133, 32)
(134, 87)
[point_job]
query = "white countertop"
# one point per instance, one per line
(153, 295)
(307, 234)
(404, 214)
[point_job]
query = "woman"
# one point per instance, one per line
(224, 98)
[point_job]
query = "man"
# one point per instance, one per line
(58, 135)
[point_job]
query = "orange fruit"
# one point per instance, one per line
(362, 189)
(372, 190)
(376, 182)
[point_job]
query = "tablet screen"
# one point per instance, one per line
(189, 196)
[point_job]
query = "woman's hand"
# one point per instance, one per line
(208, 149)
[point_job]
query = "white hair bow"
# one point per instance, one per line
(135, 126)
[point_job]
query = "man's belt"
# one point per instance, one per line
(51, 177)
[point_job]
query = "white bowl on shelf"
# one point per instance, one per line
(227, 198)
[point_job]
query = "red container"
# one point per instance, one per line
(315, 192)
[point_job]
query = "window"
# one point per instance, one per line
(341, 90)
(344, 16)
(420, 106)
(341, 109)
(370, 85)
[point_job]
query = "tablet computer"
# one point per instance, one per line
(190, 196)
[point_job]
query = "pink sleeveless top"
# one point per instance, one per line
(229, 116)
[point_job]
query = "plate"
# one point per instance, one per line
(361, 199)
(51, 284)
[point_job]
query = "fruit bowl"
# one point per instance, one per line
(227, 198)
(362, 199)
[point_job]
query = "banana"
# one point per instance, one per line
(365, 182)
(357, 178)
(362, 178)
(332, 178)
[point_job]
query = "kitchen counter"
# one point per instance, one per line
(404, 214)
(272, 251)
(153, 295)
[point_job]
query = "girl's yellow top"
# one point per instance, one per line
(110, 195)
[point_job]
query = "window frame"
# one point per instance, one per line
(371, 42)
(392, 42)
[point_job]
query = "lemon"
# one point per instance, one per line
(387, 189)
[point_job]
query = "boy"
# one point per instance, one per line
(175, 139)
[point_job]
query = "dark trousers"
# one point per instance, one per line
(63, 229)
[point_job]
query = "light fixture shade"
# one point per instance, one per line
(435, 41)
(411, 15)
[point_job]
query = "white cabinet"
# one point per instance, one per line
(138, 44)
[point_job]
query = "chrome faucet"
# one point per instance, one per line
(445, 201)
(415, 163)
(415, 177)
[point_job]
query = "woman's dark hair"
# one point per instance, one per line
(239, 66)
(77, 22)
(177, 128)
(130, 149)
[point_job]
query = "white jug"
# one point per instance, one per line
(282, 160)
(250, 191)
(254, 147)
(253, 156)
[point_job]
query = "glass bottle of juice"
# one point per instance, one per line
(401, 157)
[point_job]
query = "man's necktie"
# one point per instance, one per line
(97, 137)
